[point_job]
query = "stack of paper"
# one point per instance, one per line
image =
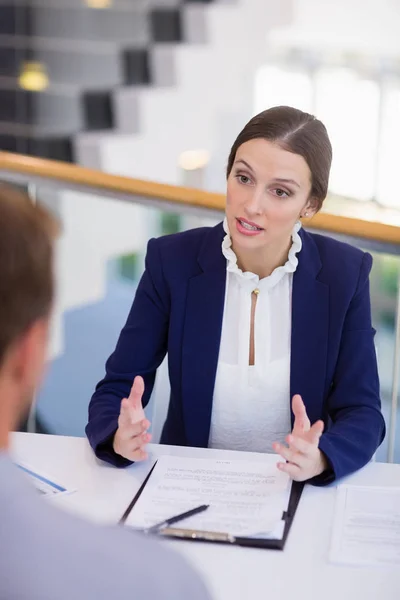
(366, 527)
(246, 498)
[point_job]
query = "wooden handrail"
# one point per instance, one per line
(67, 174)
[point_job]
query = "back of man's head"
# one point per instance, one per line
(26, 277)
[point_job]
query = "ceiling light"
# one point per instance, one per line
(33, 77)
(190, 160)
(98, 3)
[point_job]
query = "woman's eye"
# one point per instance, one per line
(244, 179)
(281, 193)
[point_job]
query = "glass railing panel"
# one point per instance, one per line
(384, 287)
(100, 258)
(384, 291)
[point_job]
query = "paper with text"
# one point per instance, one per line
(366, 527)
(246, 498)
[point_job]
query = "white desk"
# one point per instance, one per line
(301, 572)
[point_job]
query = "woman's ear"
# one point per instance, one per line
(310, 209)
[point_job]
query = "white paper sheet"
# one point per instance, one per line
(44, 485)
(366, 527)
(246, 498)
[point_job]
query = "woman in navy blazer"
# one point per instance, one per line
(278, 171)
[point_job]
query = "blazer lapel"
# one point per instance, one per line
(310, 328)
(201, 338)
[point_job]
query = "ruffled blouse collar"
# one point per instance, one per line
(289, 267)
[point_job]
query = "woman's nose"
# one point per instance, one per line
(254, 204)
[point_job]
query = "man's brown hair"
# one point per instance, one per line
(27, 232)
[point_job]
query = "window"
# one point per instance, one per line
(361, 110)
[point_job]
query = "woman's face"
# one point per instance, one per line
(268, 189)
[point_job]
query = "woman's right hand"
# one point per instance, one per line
(131, 437)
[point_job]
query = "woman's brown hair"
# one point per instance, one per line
(297, 132)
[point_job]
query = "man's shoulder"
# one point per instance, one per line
(45, 545)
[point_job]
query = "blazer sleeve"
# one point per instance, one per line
(141, 348)
(356, 426)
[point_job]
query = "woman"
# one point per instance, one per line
(252, 313)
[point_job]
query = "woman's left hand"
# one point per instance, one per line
(304, 459)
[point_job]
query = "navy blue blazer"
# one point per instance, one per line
(178, 308)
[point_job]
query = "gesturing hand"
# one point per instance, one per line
(304, 459)
(131, 436)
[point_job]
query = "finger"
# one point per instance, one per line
(313, 436)
(127, 446)
(316, 431)
(292, 470)
(292, 456)
(138, 442)
(137, 391)
(137, 455)
(129, 416)
(129, 430)
(126, 411)
(301, 445)
(301, 420)
(126, 414)
(136, 412)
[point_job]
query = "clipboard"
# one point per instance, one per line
(226, 538)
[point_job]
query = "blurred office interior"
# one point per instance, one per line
(157, 90)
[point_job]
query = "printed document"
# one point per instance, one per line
(245, 497)
(366, 526)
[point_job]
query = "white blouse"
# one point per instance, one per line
(251, 404)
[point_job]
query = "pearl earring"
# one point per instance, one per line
(306, 214)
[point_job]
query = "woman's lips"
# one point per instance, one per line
(248, 228)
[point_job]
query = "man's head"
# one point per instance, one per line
(27, 232)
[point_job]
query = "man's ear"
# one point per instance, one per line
(29, 354)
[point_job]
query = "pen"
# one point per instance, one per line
(194, 511)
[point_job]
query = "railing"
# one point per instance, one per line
(27, 170)
(95, 226)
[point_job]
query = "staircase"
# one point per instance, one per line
(88, 55)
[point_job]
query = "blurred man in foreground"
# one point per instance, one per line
(45, 553)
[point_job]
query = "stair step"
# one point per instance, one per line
(121, 26)
(98, 110)
(136, 67)
(55, 148)
(42, 109)
(166, 25)
(99, 69)
(15, 20)
(115, 4)
(57, 114)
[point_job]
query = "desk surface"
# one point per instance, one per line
(300, 572)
